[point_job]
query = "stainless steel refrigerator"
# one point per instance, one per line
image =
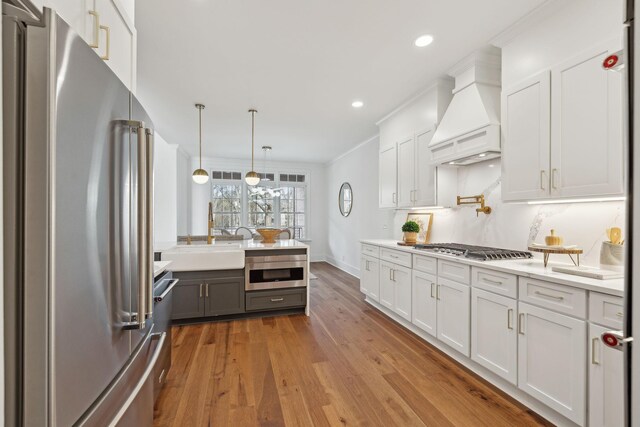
(77, 194)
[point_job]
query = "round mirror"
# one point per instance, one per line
(345, 199)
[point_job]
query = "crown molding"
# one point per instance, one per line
(351, 150)
(535, 16)
(444, 80)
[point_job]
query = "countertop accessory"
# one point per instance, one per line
(553, 239)
(591, 272)
(474, 200)
(410, 230)
(252, 178)
(345, 199)
(200, 176)
(425, 221)
(479, 253)
(548, 250)
(269, 234)
(612, 256)
(615, 235)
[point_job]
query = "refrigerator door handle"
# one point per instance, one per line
(149, 220)
(138, 319)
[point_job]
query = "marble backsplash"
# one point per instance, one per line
(515, 225)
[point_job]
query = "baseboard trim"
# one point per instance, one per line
(495, 380)
(349, 269)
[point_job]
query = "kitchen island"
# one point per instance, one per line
(233, 279)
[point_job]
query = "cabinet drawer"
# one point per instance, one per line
(276, 299)
(371, 250)
(495, 281)
(564, 299)
(425, 264)
(455, 271)
(606, 310)
(396, 257)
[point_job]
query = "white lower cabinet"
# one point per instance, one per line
(395, 288)
(453, 314)
(370, 277)
(552, 360)
(386, 284)
(494, 341)
(401, 277)
(424, 301)
(606, 382)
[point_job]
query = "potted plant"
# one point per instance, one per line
(410, 230)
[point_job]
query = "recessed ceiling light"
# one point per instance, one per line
(424, 40)
(357, 104)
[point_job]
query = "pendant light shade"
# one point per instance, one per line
(200, 176)
(252, 178)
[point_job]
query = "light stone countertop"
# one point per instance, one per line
(246, 245)
(159, 267)
(533, 268)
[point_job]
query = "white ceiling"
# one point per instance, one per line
(300, 63)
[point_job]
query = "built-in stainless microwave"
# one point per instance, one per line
(275, 271)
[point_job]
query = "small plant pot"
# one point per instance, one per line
(410, 237)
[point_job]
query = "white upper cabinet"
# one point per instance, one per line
(586, 126)
(406, 175)
(563, 131)
(117, 40)
(107, 28)
(526, 115)
(425, 173)
(388, 178)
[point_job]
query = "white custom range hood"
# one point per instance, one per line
(469, 132)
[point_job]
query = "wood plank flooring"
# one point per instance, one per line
(345, 365)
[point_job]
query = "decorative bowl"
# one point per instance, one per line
(269, 234)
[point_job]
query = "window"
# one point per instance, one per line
(226, 198)
(292, 209)
(261, 212)
(270, 204)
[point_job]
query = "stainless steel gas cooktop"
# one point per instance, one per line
(479, 253)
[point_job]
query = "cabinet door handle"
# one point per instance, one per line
(521, 323)
(510, 319)
(619, 314)
(393, 275)
(108, 46)
(543, 174)
(277, 299)
(494, 282)
(594, 343)
(393, 198)
(96, 29)
(201, 290)
(542, 294)
(437, 292)
(206, 292)
(432, 289)
(554, 172)
(367, 262)
(390, 274)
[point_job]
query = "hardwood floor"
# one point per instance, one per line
(345, 365)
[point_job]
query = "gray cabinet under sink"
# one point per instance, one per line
(208, 293)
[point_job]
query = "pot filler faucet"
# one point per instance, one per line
(210, 224)
(473, 200)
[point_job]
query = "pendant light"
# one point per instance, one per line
(200, 176)
(265, 149)
(252, 178)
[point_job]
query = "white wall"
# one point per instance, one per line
(317, 229)
(183, 193)
(165, 200)
(360, 169)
